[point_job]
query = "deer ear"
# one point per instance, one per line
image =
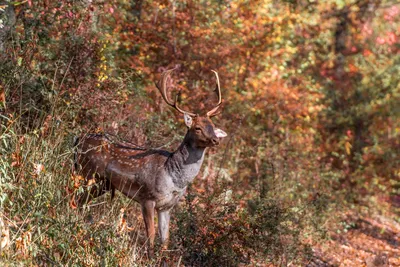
(219, 133)
(188, 120)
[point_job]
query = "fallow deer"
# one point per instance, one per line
(157, 179)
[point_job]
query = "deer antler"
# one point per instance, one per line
(162, 87)
(217, 90)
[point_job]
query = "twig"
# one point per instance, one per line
(96, 204)
(179, 261)
(2, 214)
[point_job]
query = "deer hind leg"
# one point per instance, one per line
(148, 216)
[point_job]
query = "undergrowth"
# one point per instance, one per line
(220, 227)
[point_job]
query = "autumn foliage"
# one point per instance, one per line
(311, 107)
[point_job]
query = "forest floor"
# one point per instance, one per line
(366, 241)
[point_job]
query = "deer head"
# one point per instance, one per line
(201, 131)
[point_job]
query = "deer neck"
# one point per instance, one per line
(185, 163)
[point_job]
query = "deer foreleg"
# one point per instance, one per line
(148, 216)
(163, 227)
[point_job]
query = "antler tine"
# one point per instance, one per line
(162, 87)
(218, 88)
(212, 112)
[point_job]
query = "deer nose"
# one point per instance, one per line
(215, 141)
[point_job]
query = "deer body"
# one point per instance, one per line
(137, 173)
(157, 179)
